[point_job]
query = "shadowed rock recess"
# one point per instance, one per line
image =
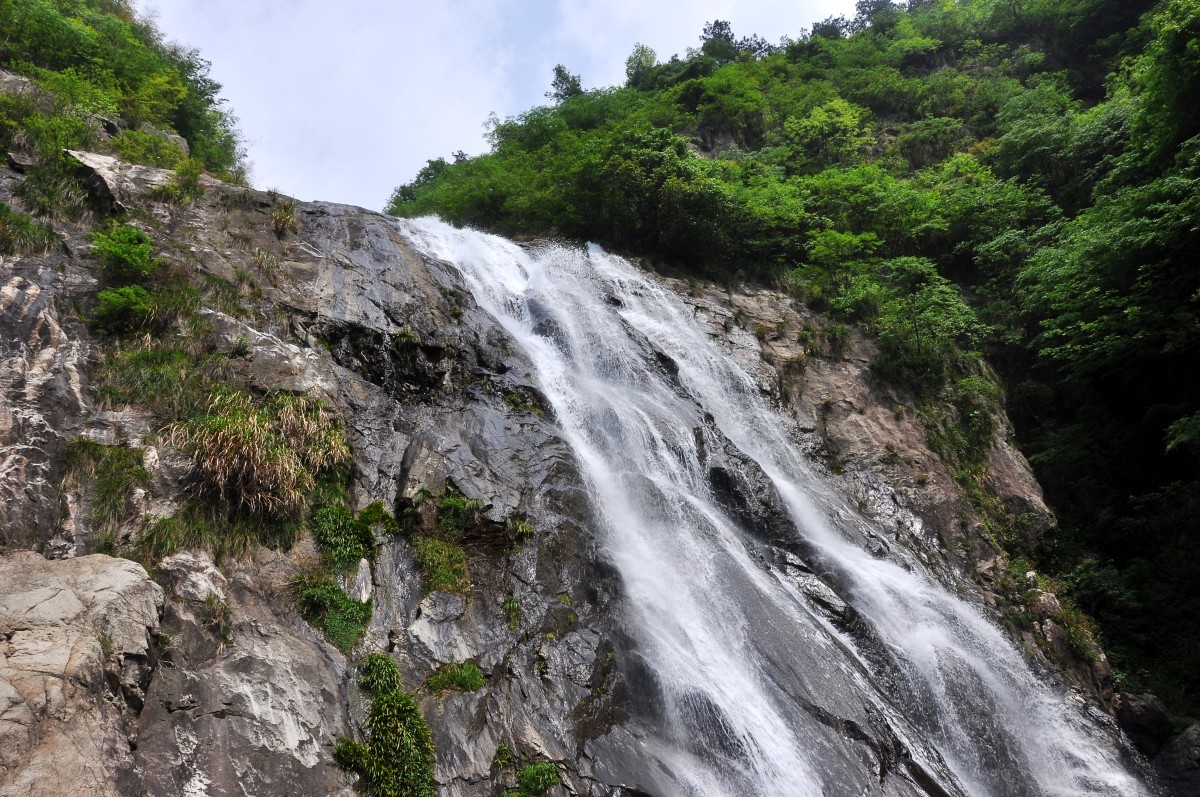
(199, 676)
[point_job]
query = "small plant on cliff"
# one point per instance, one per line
(283, 216)
(21, 235)
(342, 537)
(378, 674)
(465, 677)
(443, 563)
(184, 187)
(327, 606)
(148, 149)
(122, 311)
(534, 780)
(111, 473)
(126, 253)
(261, 457)
(397, 758)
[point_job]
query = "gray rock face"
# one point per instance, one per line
(247, 698)
(76, 653)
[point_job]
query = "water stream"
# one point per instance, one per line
(749, 688)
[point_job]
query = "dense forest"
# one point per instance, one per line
(106, 81)
(1015, 182)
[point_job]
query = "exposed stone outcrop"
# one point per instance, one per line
(247, 698)
(76, 656)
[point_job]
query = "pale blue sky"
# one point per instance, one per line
(345, 100)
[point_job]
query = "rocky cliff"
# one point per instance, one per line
(198, 675)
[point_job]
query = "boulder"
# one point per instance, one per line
(1179, 763)
(1145, 721)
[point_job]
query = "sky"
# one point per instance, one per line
(343, 101)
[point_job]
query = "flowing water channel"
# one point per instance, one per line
(749, 688)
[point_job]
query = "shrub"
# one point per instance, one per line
(378, 674)
(126, 253)
(156, 374)
(456, 513)
(208, 527)
(120, 311)
(465, 677)
(342, 538)
(398, 757)
(534, 780)
(443, 563)
(283, 216)
(54, 189)
(21, 235)
(327, 606)
(184, 186)
(147, 149)
(261, 459)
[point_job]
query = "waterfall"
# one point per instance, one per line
(750, 688)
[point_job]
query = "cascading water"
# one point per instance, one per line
(749, 689)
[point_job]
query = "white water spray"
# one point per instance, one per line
(746, 674)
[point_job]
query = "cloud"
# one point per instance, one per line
(344, 101)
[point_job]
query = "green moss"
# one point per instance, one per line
(327, 606)
(444, 564)
(465, 677)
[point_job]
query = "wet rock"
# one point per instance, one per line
(1145, 720)
(1179, 763)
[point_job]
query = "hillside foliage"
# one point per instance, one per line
(106, 80)
(1012, 181)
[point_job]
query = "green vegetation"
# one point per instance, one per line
(126, 254)
(511, 606)
(464, 677)
(961, 180)
(148, 149)
(21, 235)
(378, 673)
(261, 456)
(443, 564)
(534, 780)
(397, 758)
(343, 538)
(110, 474)
(97, 58)
(327, 606)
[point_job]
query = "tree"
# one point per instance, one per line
(565, 85)
(638, 64)
(717, 41)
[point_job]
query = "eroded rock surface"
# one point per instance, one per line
(240, 695)
(76, 654)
